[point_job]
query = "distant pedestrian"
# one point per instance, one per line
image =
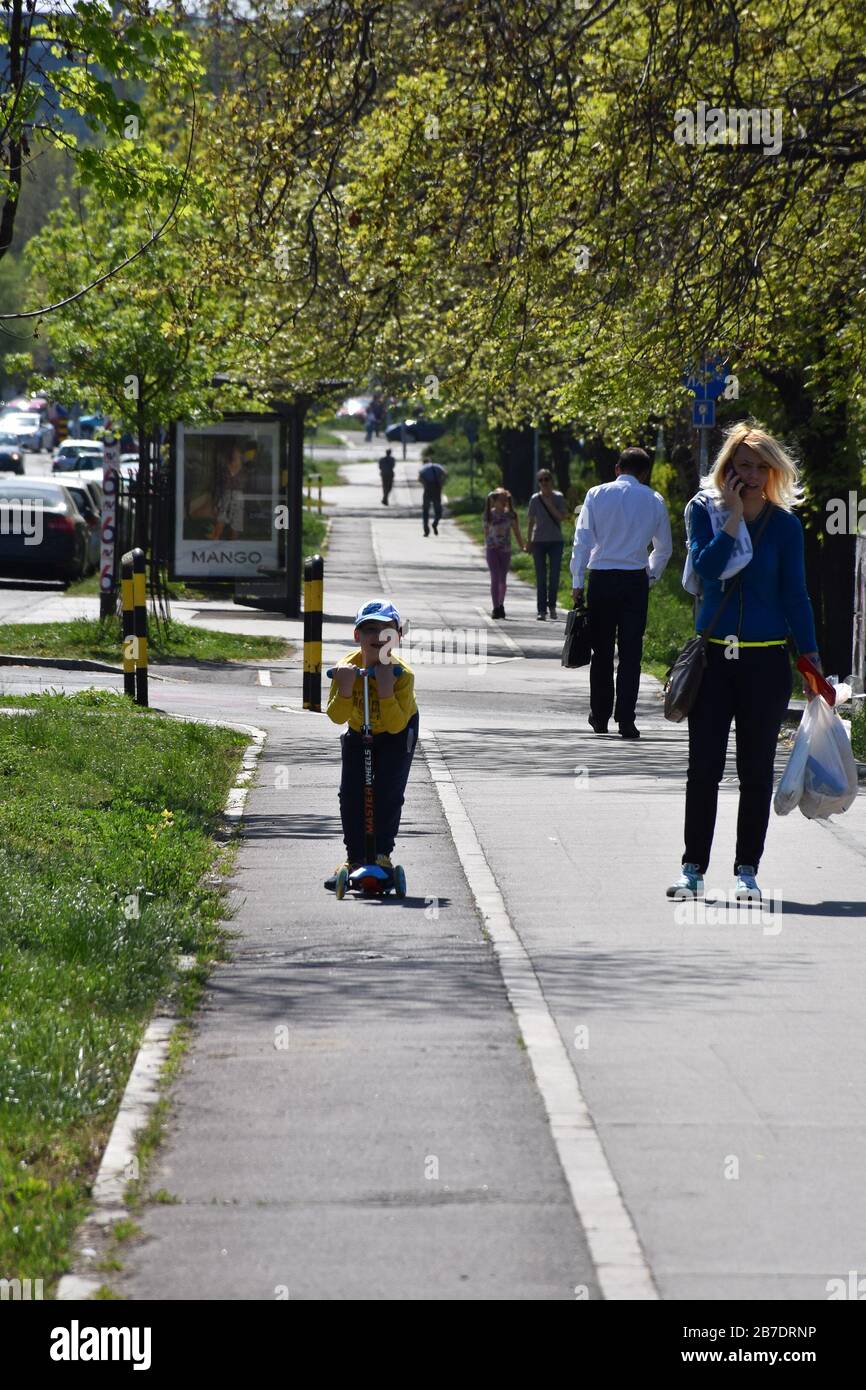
(741, 529)
(500, 519)
(432, 477)
(369, 423)
(544, 540)
(386, 469)
(617, 523)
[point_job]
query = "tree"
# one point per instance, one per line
(541, 239)
(67, 84)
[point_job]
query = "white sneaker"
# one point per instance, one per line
(747, 889)
(690, 883)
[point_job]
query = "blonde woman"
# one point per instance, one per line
(741, 527)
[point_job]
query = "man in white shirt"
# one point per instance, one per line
(617, 523)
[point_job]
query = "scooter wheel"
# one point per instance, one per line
(399, 881)
(341, 884)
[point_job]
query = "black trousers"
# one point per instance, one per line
(387, 482)
(753, 689)
(616, 602)
(392, 759)
(432, 498)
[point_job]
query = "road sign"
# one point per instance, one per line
(710, 380)
(703, 414)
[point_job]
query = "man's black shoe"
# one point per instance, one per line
(628, 731)
(597, 726)
(435, 528)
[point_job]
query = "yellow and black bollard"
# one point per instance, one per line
(313, 585)
(128, 635)
(134, 593)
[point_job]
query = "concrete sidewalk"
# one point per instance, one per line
(357, 1117)
(396, 1145)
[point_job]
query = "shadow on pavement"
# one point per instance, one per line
(323, 985)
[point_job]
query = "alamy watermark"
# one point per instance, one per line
(846, 517)
(25, 1289)
(719, 911)
(22, 516)
(731, 125)
(436, 646)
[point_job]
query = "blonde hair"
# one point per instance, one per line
(783, 480)
(499, 492)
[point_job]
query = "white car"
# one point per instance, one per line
(26, 428)
(74, 454)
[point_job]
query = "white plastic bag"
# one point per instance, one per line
(790, 788)
(821, 774)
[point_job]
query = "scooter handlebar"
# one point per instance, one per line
(363, 671)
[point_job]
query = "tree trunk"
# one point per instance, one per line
(561, 443)
(515, 448)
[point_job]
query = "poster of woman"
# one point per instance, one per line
(226, 494)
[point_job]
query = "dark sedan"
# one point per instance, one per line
(417, 431)
(11, 456)
(86, 493)
(42, 533)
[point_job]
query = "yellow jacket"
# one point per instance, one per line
(387, 716)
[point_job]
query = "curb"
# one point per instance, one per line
(62, 663)
(119, 1166)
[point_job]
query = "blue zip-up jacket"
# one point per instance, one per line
(772, 600)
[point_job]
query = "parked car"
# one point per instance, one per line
(11, 457)
(75, 454)
(86, 493)
(419, 431)
(25, 427)
(42, 533)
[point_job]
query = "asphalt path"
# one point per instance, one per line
(398, 1145)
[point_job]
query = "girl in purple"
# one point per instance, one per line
(500, 519)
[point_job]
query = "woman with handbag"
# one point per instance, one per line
(746, 547)
(500, 519)
(545, 542)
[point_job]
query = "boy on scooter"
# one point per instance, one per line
(394, 720)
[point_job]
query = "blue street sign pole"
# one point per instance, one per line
(706, 385)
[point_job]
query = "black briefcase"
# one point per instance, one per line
(576, 649)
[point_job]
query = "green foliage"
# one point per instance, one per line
(101, 50)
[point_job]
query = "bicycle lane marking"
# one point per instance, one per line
(620, 1264)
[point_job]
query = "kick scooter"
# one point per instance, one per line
(370, 878)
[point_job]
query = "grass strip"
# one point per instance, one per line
(107, 815)
(99, 639)
(327, 469)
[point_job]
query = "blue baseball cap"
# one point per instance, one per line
(378, 611)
